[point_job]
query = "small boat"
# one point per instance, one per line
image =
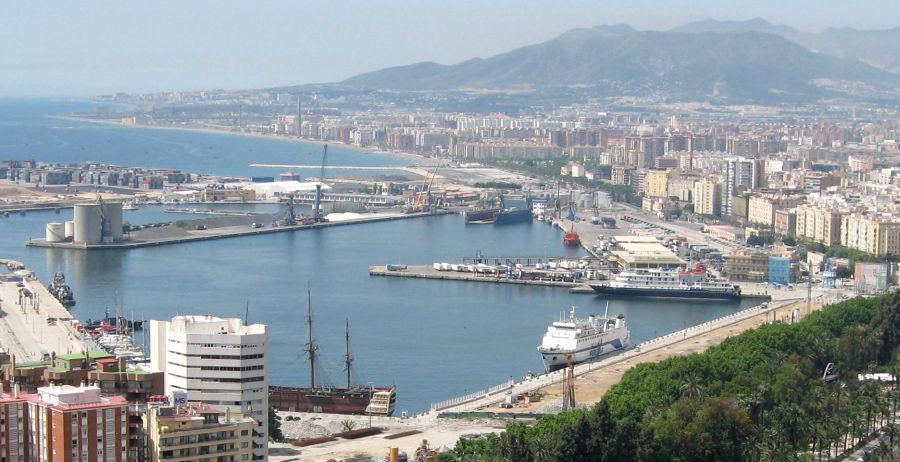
(572, 238)
(129, 206)
(61, 291)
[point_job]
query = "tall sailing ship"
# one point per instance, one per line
(352, 399)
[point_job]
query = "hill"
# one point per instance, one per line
(722, 65)
(878, 48)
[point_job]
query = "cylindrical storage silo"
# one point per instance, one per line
(87, 224)
(56, 232)
(112, 222)
(70, 230)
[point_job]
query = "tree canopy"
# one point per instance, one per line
(758, 396)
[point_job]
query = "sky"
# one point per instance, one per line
(84, 48)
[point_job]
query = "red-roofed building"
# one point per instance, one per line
(76, 424)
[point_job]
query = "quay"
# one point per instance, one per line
(174, 235)
(227, 213)
(427, 272)
(550, 279)
(594, 379)
(34, 323)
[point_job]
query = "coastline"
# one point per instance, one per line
(424, 161)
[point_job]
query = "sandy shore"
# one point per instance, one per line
(398, 154)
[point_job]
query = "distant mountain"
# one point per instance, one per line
(750, 25)
(879, 48)
(746, 66)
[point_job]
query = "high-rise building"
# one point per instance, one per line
(14, 442)
(707, 197)
(741, 174)
(220, 362)
(76, 424)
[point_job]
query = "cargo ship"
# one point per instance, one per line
(481, 216)
(575, 340)
(515, 210)
(663, 283)
(352, 399)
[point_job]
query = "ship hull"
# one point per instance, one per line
(664, 293)
(512, 216)
(324, 400)
(481, 216)
(556, 360)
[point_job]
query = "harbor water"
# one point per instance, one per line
(433, 339)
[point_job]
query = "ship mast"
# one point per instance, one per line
(348, 359)
(311, 349)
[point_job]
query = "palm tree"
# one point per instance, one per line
(692, 387)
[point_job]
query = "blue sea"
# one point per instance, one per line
(433, 339)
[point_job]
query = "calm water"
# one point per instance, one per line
(433, 339)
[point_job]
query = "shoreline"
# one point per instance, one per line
(215, 131)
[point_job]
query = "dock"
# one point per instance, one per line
(33, 322)
(169, 235)
(579, 286)
(428, 272)
(595, 378)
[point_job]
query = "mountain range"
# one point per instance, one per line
(746, 61)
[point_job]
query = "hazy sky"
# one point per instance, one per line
(83, 48)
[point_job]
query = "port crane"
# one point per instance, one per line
(422, 202)
(317, 210)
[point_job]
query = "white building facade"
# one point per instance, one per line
(220, 362)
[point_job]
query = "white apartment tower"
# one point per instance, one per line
(220, 362)
(707, 197)
(740, 172)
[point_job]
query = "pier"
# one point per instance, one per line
(34, 323)
(174, 235)
(427, 272)
(595, 378)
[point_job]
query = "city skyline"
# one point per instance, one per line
(59, 50)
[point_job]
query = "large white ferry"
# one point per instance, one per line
(663, 283)
(580, 340)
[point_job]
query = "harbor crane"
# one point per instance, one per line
(422, 202)
(317, 210)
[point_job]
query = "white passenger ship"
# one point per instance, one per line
(580, 340)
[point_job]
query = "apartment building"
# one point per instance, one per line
(707, 197)
(14, 441)
(220, 362)
(878, 235)
(762, 208)
(76, 424)
(198, 432)
(658, 183)
(819, 224)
